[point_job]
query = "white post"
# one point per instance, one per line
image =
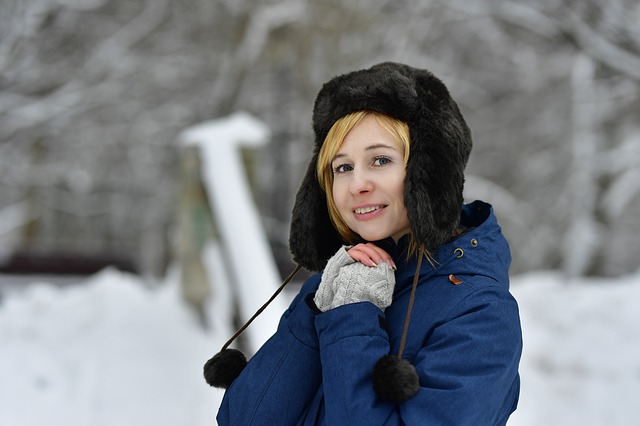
(237, 219)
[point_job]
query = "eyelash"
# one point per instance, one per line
(338, 168)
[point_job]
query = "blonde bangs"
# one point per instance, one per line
(399, 130)
(333, 142)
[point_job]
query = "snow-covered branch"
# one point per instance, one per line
(81, 85)
(600, 47)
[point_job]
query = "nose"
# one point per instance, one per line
(360, 183)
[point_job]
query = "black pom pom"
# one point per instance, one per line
(395, 379)
(221, 370)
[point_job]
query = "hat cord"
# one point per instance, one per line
(263, 307)
(412, 299)
(407, 320)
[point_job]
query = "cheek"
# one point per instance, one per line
(396, 187)
(338, 195)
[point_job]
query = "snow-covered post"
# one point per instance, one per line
(237, 219)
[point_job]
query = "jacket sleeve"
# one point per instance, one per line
(282, 377)
(468, 364)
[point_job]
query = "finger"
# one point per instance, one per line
(361, 256)
(372, 252)
(380, 255)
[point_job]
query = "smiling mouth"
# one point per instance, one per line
(365, 210)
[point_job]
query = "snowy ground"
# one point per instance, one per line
(116, 351)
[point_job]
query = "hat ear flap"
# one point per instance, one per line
(432, 195)
(440, 147)
(313, 238)
(423, 196)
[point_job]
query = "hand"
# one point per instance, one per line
(370, 254)
(324, 294)
(346, 280)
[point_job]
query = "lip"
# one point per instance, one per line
(379, 209)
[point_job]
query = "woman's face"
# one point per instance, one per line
(368, 182)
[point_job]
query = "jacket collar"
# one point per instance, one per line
(480, 249)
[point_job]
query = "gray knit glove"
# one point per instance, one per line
(346, 281)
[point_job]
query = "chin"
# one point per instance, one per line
(374, 236)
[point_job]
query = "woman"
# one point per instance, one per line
(381, 336)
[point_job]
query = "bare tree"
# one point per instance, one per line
(94, 92)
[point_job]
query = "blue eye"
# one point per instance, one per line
(342, 168)
(381, 161)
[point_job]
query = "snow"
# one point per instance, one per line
(108, 351)
(581, 362)
(116, 350)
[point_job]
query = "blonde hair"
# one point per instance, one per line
(399, 130)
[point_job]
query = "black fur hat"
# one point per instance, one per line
(440, 147)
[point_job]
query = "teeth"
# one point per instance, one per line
(366, 210)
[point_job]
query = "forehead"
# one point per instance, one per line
(369, 134)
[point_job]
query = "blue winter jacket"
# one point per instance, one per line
(464, 341)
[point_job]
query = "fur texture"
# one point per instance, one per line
(221, 370)
(395, 379)
(440, 147)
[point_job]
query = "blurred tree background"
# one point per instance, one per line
(93, 94)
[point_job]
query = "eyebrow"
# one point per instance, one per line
(369, 148)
